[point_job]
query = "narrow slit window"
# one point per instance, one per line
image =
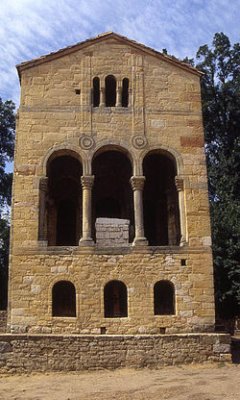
(110, 91)
(125, 92)
(96, 92)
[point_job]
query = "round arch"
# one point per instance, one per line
(64, 198)
(169, 152)
(105, 146)
(160, 198)
(61, 150)
(112, 193)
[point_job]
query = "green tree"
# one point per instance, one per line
(7, 128)
(221, 115)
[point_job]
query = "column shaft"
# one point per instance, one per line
(180, 188)
(43, 185)
(137, 183)
(119, 97)
(102, 97)
(87, 183)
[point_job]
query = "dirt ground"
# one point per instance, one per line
(195, 382)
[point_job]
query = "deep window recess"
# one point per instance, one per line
(125, 94)
(63, 299)
(112, 193)
(164, 298)
(96, 92)
(160, 200)
(64, 201)
(115, 300)
(110, 91)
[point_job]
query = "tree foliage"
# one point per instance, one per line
(221, 115)
(7, 127)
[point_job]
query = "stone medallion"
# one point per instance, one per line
(86, 142)
(139, 142)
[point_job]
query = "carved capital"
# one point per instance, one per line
(43, 184)
(87, 181)
(179, 182)
(137, 182)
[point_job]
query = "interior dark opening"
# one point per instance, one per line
(115, 300)
(110, 91)
(96, 92)
(164, 298)
(125, 95)
(109, 207)
(112, 193)
(63, 299)
(64, 201)
(160, 201)
(66, 222)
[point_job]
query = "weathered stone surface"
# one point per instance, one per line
(112, 232)
(28, 353)
(3, 320)
(164, 114)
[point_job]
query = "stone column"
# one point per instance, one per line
(119, 97)
(43, 187)
(102, 97)
(137, 183)
(180, 188)
(87, 184)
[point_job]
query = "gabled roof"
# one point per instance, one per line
(100, 38)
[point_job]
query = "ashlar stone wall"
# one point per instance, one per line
(56, 117)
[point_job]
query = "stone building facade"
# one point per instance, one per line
(110, 219)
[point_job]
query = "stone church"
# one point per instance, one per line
(110, 218)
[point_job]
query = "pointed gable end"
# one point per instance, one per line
(103, 38)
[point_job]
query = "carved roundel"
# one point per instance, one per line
(86, 142)
(139, 142)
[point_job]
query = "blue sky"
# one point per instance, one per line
(31, 28)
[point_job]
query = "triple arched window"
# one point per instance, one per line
(115, 93)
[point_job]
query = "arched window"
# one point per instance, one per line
(160, 200)
(64, 201)
(115, 300)
(125, 95)
(164, 298)
(63, 299)
(110, 91)
(112, 194)
(96, 92)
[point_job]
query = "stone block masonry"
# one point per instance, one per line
(32, 353)
(112, 232)
(3, 320)
(109, 129)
